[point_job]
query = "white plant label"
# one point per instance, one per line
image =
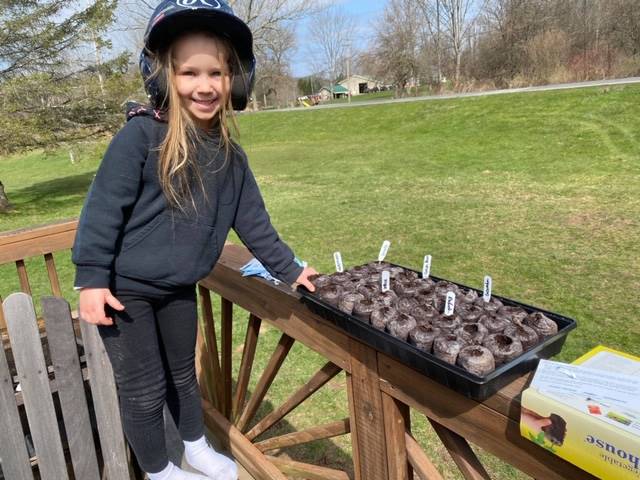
(383, 250)
(486, 292)
(426, 266)
(450, 304)
(337, 257)
(385, 281)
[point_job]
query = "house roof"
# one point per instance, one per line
(368, 79)
(336, 89)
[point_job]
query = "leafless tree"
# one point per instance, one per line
(456, 19)
(399, 38)
(274, 79)
(330, 35)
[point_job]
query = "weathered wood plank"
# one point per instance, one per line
(476, 422)
(461, 453)
(33, 377)
(52, 273)
(396, 424)
(226, 337)
(66, 365)
(271, 370)
(23, 277)
(252, 459)
(322, 376)
(213, 371)
(246, 365)
(368, 421)
(319, 432)
(307, 471)
(419, 460)
(31, 242)
(105, 401)
(13, 451)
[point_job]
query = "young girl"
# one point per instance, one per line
(170, 187)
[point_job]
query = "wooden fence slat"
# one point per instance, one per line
(213, 372)
(53, 274)
(105, 402)
(319, 432)
(461, 453)
(248, 355)
(322, 376)
(419, 460)
(23, 277)
(271, 370)
(226, 318)
(66, 365)
(34, 379)
(13, 451)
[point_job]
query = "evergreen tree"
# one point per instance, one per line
(47, 97)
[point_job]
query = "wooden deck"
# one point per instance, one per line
(380, 391)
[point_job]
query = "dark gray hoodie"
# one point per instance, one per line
(127, 230)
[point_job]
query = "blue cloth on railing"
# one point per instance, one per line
(255, 268)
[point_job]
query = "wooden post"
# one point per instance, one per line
(396, 423)
(366, 413)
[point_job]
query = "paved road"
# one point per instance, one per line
(541, 88)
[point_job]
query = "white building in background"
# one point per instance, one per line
(357, 84)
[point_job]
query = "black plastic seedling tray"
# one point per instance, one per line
(452, 376)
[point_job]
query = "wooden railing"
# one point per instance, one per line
(380, 391)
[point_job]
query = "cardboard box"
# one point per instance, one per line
(596, 434)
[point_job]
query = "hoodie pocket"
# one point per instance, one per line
(170, 250)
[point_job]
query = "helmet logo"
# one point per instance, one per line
(195, 3)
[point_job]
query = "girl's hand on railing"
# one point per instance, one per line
(91, 307)
(303, 278)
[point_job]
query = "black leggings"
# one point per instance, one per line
(151, 346)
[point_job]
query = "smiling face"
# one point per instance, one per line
(201, 77)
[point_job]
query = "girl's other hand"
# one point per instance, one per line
(303, 278)
(92, 302)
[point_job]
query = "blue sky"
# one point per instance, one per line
(363, 13)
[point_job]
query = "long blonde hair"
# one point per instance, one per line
(178, 167)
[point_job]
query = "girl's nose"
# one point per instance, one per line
(205, 86)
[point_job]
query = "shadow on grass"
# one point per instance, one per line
(50, 195)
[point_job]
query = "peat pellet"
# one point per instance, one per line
(347, 302)
(330, 294)
(381, 316)
(400, 326)
(472, 333)
(447, 347)
(363, 308)
(528, 336)
(503, 347)
(543, 325)
(423, 335)
(476, 359)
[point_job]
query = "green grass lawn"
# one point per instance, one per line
(539, 190)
